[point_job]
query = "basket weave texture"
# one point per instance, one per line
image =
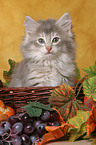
(18, 97)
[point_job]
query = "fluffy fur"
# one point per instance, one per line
(49, 53)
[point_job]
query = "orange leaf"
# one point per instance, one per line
(56, 132)
(91, 121)
(6, 109)
(0, 112)
(47, 137)
(2, 104)
(3, 117)
(10, 111)
(60, 117)
(88, 102)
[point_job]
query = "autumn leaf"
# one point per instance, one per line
(88, 102)
(7, 74)
(93, 141)
(79, 122)
(80, 118)
(63, 99)
(91, 125)
(77, 133)
(56, 132)
(90, 71)
(89, 87)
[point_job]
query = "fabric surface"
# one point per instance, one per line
(12, 15)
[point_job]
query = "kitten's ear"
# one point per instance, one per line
(65, 22)
(30, 25)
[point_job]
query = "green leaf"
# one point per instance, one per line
(80, 118)
(5, 85)
(79, 122)
(76, 133)
(93, 142)
(40, 105)
(34, 109)
(77, 73)
(7, 74)
(89, 87)
(90, 71)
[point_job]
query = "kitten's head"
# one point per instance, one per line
(48, 39)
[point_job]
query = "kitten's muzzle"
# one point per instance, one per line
(48, 48)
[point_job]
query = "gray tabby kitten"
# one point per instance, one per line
(49, 53)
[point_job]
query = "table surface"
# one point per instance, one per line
(81, 142)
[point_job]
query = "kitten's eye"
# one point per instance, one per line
(55, 40)
(41, 40)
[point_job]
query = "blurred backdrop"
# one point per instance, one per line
(12, 16)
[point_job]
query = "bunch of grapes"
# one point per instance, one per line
(21, 129)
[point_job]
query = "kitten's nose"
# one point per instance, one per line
(49, 48)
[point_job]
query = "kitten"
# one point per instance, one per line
(49, 54)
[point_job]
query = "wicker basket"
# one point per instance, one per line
(18, 97)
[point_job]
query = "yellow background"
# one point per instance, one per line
(12, 15)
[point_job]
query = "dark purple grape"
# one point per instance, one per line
(45, 116)
(13, 119)
(28, 128)
(33, 137)
(16, 140)
(6, 143)
(31, 119)
(54, 115)
(55, 123)
(41, 128)
(25, 118)
(17, 128)
(2, 131)
(25, 139)
(6, 125)
(36, 123)
(1, 142)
